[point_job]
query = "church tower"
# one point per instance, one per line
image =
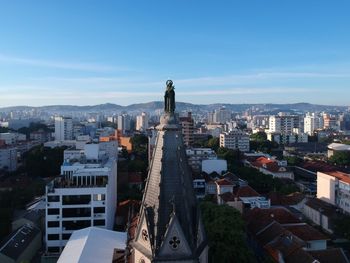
(169, 226)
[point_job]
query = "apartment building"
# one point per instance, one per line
(142, 122)
(187, 125)
(283, 123)
(196, 156)
(334, 188)
(84, 195)
(63, 128)
(312, 122)
(236, 139)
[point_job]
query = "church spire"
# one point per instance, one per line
(169, 226)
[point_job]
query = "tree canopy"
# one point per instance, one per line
(225, 231)
(340, 158)
(43, 161)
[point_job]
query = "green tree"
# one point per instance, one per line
(342, 226)
(34, 126)
(214, 143)
(293, 160)
(259, 137)
(108, 124)
(43, 161)
(224, 228)
(139, 144)
(231, 156)
(341, 158)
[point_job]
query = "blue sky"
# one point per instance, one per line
(90, 52)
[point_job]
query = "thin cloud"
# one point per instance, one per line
(60, 65)
(213, 81)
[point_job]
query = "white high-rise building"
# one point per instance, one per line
(283, 124)
(124, 123)
(142, 122)
(235, 139)
(84, 195)
(222, 115)
(312, 122)
(63, 128)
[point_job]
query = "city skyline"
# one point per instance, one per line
(69, 53)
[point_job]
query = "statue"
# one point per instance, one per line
(169, 97)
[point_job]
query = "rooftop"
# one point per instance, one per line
(14, 245)
(340, 176)
(306, 232)
(91, 245)
(258, 218)
(319, 205)
(223, 182)
(286, 200)
(339, 147)
(330, 255)
(245, 191)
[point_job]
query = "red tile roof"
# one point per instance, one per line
(330, 255)
(242, 191)
(340, 176)
(223, 182)
(268, 164)
(306, 232)
(257, 218)
(285, 200)
(245, 191)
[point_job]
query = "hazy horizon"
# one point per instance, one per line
(159, 101)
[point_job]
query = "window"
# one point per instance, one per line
(76, 212)
(99, 197)
(76, 224)
(174, 242)
(66, 236)
(76, 199)
(53, 211)
(99, 222)
(53, 224)
(98, 210)
(53, 237)
(53, 249)
(53, 198)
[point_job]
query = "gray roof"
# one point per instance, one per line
(169, 185)
(14, 245)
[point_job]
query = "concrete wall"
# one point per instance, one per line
(326, 188)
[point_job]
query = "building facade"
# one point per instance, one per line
(312, 122)
(8, 158)
(124, 123)
(283, 123)
(187, 125)
(83, 196)
(334, 188)
(142, 122)
(236, 140)
(63, 128)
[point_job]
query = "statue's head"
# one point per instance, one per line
(169, 83)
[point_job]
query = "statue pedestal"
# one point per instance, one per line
(169, 121)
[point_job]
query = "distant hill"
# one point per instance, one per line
(180, 106)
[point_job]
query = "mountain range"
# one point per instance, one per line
(180, 106)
